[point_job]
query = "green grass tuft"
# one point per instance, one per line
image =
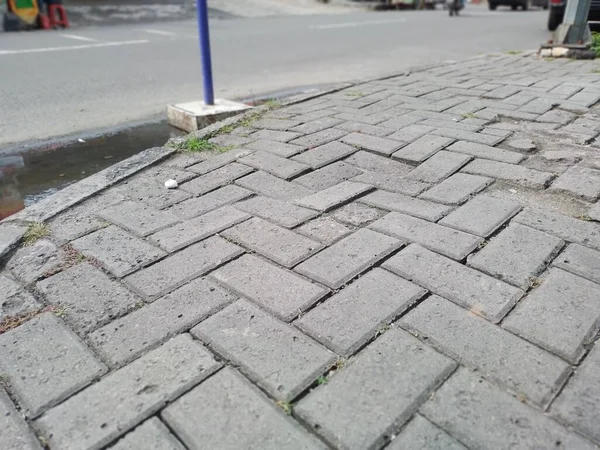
(35, 232)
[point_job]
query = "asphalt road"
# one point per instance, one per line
(57, 83)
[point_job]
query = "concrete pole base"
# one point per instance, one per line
(194, 116)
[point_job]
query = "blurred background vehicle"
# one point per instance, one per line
(514, 4)
(557, 13)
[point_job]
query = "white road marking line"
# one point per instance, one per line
(161, 32)
(78, 38)
(73, 47)
(355, 24)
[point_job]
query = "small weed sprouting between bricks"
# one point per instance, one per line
(382, 330)
(469, 116)
(514, 52)
(322, 380)
(11, 322)
(355, 94)
(534, 282)
(34, 232)
(197, 145)
(482, 244)
(287, 407)
(584, 217)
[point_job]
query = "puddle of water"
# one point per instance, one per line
(28, 177)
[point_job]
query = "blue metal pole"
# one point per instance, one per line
(202, 13)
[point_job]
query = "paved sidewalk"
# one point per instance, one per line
(410, 263)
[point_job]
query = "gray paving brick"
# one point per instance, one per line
(74, 223)
(357, 214)
(279, 244)
(457, 189)
(328, 176)
(349, 319)
(517, 255)
(374, 163)
(502, 92)
(437, 123)
(325, 154)
(126, 338)
(197, 206)
(594, 212)
(334, 196)
(228, 412)
(347, 258)
(88, 297)
(277, 211)
(30, 263)
(152, 193)
(439, 166)
(365, 128)
(277, 148)
(496, 132)
(537, 106)
(473, 290)
(273, 135)
(102, 412)
(498, 355)
(523, 176)
(274, 355)
(44, 363)
(421, 149)
(557, 116)
(182, 160)
(273, 164)
(421, 434)
(120, 252)
(411, 133)
(581, 261)
(317, 125)
(562, 315)
(186, 233)
(391, 183)
(219, 160)
(228, 140)
(183, 266)
(461, 135)
(254, 278)
(373, 119)
(487, 152)
(482, 416)
(452, 243)
(14, 300)
(151, 435)
(325, 230)
(365, 403)
(276, 124)
(375, 144)
(137, 217)
(15, 434)
(404, 204)
(319, 138)
(271, 186)
(579, 181)
(579, 403)
(567, 228)
(398, 122)
(481, 215)
(216, 179)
